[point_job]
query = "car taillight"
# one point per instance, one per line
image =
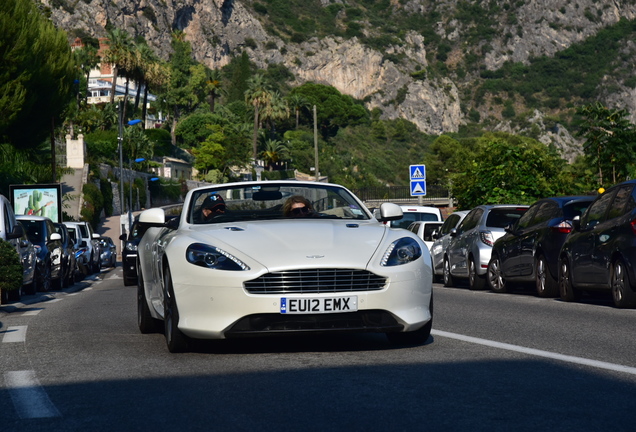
(564, 227)
(486, 237)
(633, 224)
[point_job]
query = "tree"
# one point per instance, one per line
(610, 140)
(276, 109)
(258, 96)
(509, 169)
(297, 103)
(118, 55)
(37, 72)
(275, 151)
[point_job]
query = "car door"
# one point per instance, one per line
(463, 238)
(529, 238)
(584, 246)
(509, 246)
(608, 233)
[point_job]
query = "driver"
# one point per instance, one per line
(212, 206)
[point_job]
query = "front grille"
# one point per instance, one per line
(315, 281)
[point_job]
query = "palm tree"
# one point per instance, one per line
(274, 152)
(297, 102)
(276, 109)
(117, 54)
(214, 86)
(258, 95)
(87, 59)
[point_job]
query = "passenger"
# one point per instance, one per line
(298, 206)
(212, 206)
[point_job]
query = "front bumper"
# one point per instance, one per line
(210, 308)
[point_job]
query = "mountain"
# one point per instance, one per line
(516, 65)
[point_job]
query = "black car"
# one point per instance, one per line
(69, 266)
(529, 251)
(129, 252)
(600, 252)
(41, 232)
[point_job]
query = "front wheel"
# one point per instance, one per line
(175, 340)
(495, 277)
(545, 284)
(622, 292)
(475, 281)
(448, 277)
(566, 291)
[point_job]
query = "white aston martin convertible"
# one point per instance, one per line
(279, 257)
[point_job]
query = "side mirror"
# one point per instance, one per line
(96, 236)
(576, 223)
(55, 237)
(453, 232)
(123, 237)
(17, 232)
(388, 212)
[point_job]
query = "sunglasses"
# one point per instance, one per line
(299, 211)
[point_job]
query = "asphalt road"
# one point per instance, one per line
(495, 362)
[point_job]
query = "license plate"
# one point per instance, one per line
(318, 305)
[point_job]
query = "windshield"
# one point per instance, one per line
(258, 201)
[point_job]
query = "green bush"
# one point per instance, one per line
(10, 267)
(93, 204)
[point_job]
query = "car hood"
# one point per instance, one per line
(278, 244)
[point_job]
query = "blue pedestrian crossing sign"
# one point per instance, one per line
(418, 188)
(417, 174)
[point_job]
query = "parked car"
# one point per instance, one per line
(600, 252)
(69, 264)
(335, 268)
(425, 230)
(529, 251)
(441, 239)
(108, 249)
(90, 240)
(129, 252)
(469, 250)
(81, 253)
(415, 213)
(48, 245)
(28, 256)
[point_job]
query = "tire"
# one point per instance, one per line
(475, 282)
(566, 291)
(145, 321)
(447, 276)
(622, 293)
(417, 337)
(175, 340)
(44, 282)
(545, 284)
(494, 276)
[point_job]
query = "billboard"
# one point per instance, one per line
(37, 200)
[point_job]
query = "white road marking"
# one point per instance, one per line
(547, 354)
(29, 398)
(32, 312)
(14, 334)
(113, 276)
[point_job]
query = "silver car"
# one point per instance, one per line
(470, 247)
(441, 240)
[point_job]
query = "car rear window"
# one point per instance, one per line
(501, 218)
(573, 209)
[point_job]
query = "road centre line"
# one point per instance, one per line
(15, 334)
(540, 353)
(29, 398)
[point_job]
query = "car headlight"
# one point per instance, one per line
(131, 247)
(402, 251)
(214, 258)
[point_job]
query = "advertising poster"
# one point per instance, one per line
(38, 200)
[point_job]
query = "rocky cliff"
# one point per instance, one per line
(517, 31)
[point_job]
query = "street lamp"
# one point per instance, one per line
(132, 179)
